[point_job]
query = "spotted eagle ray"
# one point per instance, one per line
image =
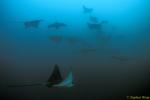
(93, 19)
(33, 23)
(57, 25)
(87, 10)
(55, 80)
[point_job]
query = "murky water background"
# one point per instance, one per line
(109, 61)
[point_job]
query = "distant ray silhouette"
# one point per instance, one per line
(57, 25)
(87, 10)
(120, 58)
(87, 50)
(72, 40)
(33, 24)
(93, 19)
(56, 38)
(94, 25)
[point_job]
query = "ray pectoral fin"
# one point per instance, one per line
(68, 82)
(55, 77)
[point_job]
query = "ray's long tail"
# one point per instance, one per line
(25, 85)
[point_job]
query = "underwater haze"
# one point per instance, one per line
(106, 44)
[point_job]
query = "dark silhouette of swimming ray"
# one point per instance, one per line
(33, 24)
(57, 25)
(120, 58)
(94, 25)
(56, 38)
(55, 80)
(87, 10)
(72, 40)
(93, 19)
(87, 50)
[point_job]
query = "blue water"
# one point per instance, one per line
(29, 54)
